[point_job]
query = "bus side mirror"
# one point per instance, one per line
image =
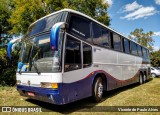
(54, 34)
(9, 47)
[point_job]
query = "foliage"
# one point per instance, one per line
(155, 58)
(7, 68)
(97, 9)
(5, 26)
(145, 39)
(27, 11)
(24, 13)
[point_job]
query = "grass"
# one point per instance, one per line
(147, 94)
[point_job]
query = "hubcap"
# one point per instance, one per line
(144, 78)
(100, 90)
(153, 75)
(140, 78)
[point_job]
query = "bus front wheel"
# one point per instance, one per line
(98, 89)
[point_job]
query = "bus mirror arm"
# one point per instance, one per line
(64, 26)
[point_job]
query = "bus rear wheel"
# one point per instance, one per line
(98, 89)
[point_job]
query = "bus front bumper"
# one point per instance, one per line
(41, 94)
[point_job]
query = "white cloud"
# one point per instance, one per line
(143, 12)
(157, 34)
(157, 2)
(110, 2)
(136, 11)
(131, 7)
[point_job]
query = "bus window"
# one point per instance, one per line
(133, 48)
(87, 55)
(80, 27)
(147, 53)
(116, 42)
(72, 54)
(126, 45)
(100, 36)
(144, 52)
(140, 51)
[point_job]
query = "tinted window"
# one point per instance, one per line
(100, 35)
(87, 55)
(148, 53)
(117, 42)
(46, 23)
(126, 46)
(133, 48)
(144, 52)
(80, 27)
(73, 54)
(139, 50)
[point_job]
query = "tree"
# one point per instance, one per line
(97, 9)
(155, 58)
(5, 26)
(24, 13)
(28, 11)
(145, 39)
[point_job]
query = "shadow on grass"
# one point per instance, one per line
(81, 105)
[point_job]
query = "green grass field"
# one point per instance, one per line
(147, 94)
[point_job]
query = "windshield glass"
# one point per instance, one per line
(36, 55)
(46, 23)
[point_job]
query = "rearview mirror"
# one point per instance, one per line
(54, 34)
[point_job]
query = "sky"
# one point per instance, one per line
(127, 15)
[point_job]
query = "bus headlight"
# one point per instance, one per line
(49, 85)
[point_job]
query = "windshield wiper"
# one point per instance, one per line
(35, 67)
(34, 62)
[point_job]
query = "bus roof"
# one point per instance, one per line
(79, 13)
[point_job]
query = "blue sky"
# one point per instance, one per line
(127, 15)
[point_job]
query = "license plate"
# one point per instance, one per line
(31, 94)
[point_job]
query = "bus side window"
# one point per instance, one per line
(80, 27)
(126, 45)
(139, 51)
(100, 35)
(87, 55)
(117, 42)
(72, 54)
(144, 52)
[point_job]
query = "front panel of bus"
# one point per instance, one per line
(39, 73)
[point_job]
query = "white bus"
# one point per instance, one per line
(67, 56)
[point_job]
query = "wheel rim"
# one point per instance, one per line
(145, 78)
(153, 75)
(100, 90)
(140, 79)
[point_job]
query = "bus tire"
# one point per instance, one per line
(153, 75)
(140, 78)
(98, 89)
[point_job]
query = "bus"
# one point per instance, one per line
(67, 56)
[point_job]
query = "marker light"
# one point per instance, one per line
(54, 85)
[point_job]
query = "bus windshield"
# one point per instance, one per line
(45, 24)
(37, 55)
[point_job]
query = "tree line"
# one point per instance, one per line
(17, 15)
